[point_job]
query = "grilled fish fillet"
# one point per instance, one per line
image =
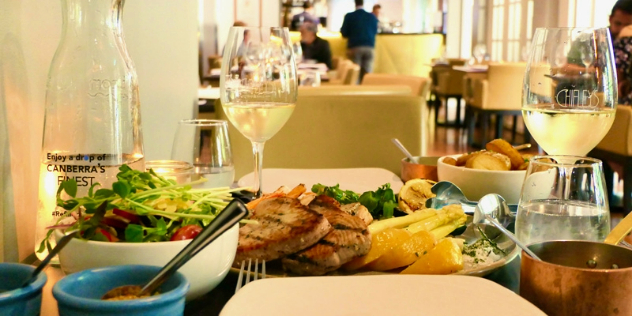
(349, 239)
(285, 226)
(359, 210)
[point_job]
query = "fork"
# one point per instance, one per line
(255, 273)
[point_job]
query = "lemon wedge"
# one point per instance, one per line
(413, 195)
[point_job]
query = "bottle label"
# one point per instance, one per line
(56, 164)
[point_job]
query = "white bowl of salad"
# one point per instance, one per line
(204, 271)
(145, 219)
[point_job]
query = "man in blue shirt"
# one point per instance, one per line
(359, 28)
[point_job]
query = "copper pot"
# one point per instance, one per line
(425, 168)
(578, 278)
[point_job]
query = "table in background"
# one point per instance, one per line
(206, 102)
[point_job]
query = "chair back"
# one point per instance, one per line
(338, 131)
(418, 85)
(449, 82)
(502, 89)
(353, 75)
(619, 138)
(343, 66)
(354, 90)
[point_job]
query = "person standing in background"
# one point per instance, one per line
(376, 11)
(306, 16)
(359, 28)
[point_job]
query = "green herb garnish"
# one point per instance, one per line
(380, 203)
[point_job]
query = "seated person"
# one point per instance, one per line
(304, 17)
(314, 47)
(623, 59)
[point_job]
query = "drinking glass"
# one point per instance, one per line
(570, 89)
(258, 88)
(563, 198)
(310, 78)
(205, 145)
(479, 53)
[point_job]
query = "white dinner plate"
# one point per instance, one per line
(381, 295)
(358, 180)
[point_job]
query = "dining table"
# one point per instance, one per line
(214, 301)
(356, 179)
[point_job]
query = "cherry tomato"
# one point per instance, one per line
(132, 218)
(186, 232)
(107, 234)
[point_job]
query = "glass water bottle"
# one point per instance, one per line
(92, 121)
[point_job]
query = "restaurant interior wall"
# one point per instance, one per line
(161, 36)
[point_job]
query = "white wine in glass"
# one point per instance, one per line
(258, 85)
(570, 89)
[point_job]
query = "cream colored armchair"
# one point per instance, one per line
(498, 94)
(449, 84)
(348, 74)
(338, 131)
(366, 90)
(418, 85)
(616, 147)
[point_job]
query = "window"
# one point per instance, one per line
(498, 16)
(510, 28)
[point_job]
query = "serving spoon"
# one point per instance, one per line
(235, 211)
(448, 193)
(490, 206)
(404, 150)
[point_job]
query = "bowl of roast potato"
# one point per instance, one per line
(499, 168)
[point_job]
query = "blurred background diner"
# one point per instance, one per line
(452, 70)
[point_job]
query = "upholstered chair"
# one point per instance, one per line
(498, 94)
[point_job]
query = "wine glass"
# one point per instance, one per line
(298, 52)
(258, 88)
(479, 53)
(563, 198)
(204, 144)
(570, 89)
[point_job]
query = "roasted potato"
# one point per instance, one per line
(449, 161)
(489, 161)
(503, 147)
(461, 160)
(497, 156)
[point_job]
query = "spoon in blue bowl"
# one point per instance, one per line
(60, 245)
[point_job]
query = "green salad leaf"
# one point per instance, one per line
(139, 207)
(380, 203)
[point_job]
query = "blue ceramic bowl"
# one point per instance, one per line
(17, 301)
(80, 293)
